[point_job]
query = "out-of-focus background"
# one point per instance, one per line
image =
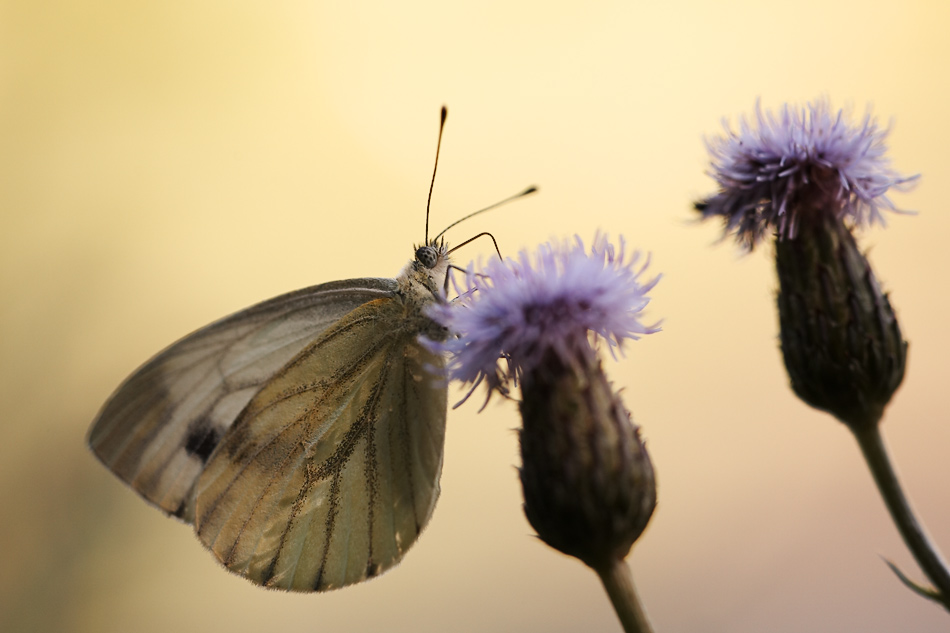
(166, 163)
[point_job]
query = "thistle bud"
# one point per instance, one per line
(840, 338)
(588, 482)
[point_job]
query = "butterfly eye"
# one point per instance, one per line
(427, 256)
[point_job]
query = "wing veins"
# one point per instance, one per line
(404, 445)
(354, 368)
(302, 418)
(169, 412)
(303, 388)
(334, 465)
(229, 558)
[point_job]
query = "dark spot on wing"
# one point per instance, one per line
(202, 439)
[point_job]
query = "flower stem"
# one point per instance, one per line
(925, 552)
(618, 582)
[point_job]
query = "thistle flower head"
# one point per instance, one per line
(588, 482)
(519, 309)
(778, 168)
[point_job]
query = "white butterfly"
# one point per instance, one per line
(303, 437)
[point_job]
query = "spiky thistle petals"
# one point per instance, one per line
(777, 168)
(521, 308)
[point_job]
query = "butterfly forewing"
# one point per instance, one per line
(163, 423)
(332, 469)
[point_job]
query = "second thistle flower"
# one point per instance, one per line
(588, 482)
(810, 176)
(779, 166)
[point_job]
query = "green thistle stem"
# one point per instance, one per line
(618, 581)
(925, 553)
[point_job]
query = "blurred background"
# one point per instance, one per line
(163, 164)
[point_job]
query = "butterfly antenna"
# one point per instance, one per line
(438, 146)
(522, 194)
(472, 239)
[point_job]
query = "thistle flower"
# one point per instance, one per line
(520, 309)
(587, 479)
(811, 178)
(777, 169)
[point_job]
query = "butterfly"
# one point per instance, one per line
(303, 436)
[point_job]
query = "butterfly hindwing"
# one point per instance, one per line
(160, 427)
(332, 469)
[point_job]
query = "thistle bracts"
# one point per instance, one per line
(840, 337)
(588, 481)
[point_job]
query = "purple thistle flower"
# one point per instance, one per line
(776, 169)
(519, 309)
(587, 478)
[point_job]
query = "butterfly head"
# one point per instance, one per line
(430, 266)
(428, 255)
(423, 278)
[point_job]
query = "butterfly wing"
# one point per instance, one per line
(332, 470)
(159, 428)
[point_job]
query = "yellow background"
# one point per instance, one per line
(165, 163)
